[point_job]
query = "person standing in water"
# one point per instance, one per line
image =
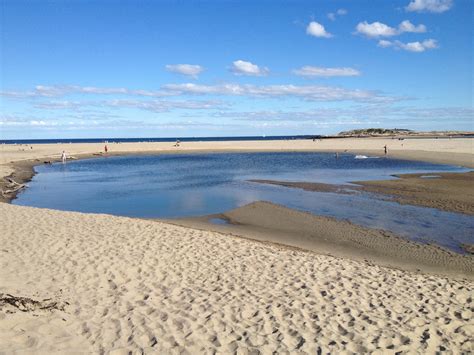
(63, 157)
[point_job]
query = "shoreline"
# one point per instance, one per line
(18, 163)
(23, 171)
(256, 232)
(267, 222)
(447, 191)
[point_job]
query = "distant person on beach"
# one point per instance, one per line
(177, 143)
(63, 157)
(385, 149)
(106, 149)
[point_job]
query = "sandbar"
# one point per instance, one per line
(452, 192)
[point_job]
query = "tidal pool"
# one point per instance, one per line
(183, 185)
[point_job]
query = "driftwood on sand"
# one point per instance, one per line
(26, 304)
(13, 187)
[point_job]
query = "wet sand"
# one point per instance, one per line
(452, 192)
(272, 223)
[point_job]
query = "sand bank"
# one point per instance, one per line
(268, 222)
(453, 192)
(445, 191)
(136, 285)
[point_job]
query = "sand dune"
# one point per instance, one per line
(136, 285)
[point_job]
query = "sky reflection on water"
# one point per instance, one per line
(180, 185)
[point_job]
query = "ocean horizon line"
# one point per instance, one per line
(153, 139)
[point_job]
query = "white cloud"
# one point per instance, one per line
(242, 67)
(375, 29)
(12, 123)
(162, 106)
(411, 46)
(436, 6)
(147, 105)
(340, 118)
(309, 71)
(42, 91)
(340, 12)
(185, 69)
(59, 105)
(384, 43)
(430, 43)
(317, 30)
(381, 112)
(88, 115)
(55, 91)
(378, 29)
(38, 123)
(307, 92)
(24, 122)
(407, 26)
(418, 46)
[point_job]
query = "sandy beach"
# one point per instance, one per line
(236, 177)
(269, 222)
(95, 283)
(134, 285)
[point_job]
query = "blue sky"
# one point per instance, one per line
(214, 68)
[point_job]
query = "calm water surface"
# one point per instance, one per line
(181, 185)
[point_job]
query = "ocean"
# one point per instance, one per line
(168, 139)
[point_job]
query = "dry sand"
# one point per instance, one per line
(118, 284)
(136, 285)
(269, 222)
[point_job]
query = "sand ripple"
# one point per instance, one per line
(152, 287)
